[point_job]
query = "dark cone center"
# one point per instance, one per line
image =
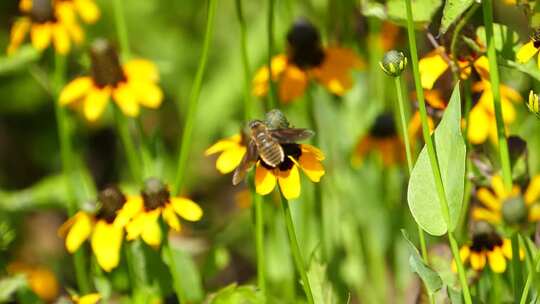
(111, 200)
(106, 68)
(155, 194)
(304, 45)
(42, 11)
(384, 126)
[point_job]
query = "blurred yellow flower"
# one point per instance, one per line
(303, 156)
(105, 228)
(41, 280)
(91, 298)
(485, 248)
(130, 86)
(435, 106)
(47, 21)
(482, 116)
(155, 201)
(306, 59)
(499, 205)
(232, 151)
(529, 49)
(87, 10)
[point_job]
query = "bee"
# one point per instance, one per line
(265, 143)
(533, 105)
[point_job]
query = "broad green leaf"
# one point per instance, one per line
(422, 195)
(10, 285)
(432, 280)
(452, 11)
(502, 36)
(530, 68)
(19, 60)
(233, 294)
(423, 10)
(323, 292)
(186, 277)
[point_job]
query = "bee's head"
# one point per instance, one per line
(256, 124)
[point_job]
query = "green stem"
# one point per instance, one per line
(456, 35)
(248, 111)
(272, 104)
(134, 161)
(177, 286)
(121, 28)
(68, 161)
(295, 248)
(517, 276)
(495, 89)
(187, 133)
(530, 277)
(431, 152)
(259, 240)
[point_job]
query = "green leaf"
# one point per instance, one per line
(432, 280)
(502, 36)
(422, 195)
(323, 292)
(233, 294)
(186, 277)
(21, 59)
(10, 285)
(452, 11)
(530, 68)
(423, 10)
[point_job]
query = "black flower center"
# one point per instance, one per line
(486, 242)
(42, 11)
(292, 150)
(535, 37)
(384, 126)
(106, 68)
(304, 45)
(111, 199)
(155, 194)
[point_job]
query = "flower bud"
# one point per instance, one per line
(514, 210)
(393, 63)
(532, 104)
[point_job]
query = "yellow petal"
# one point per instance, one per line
(81, 229)
(141, 70)
(186, 208)
(148, 93)
(335, 71)
(478, 260)
(260, 81)
(40, 35)
(497, 185)
(319, 155)
(464, 253)
(75, 32)
(17, 34)
(61, 39)
(170, 217)
(488, 199)
(137, 225)
(25, 5)
(479, 125)
(533, 190)
(75, 90)
(289, 183)
(106, 244)
(496, 260)
(526, 52)
(151, 233)
(265, 181)
(133, 206)
(95, 103)
(481, 65)
(534, 213)
(88, 10)
(507, 248)
(292, 84)
(92, 298)
(431, 67)
(125, 98)
(224, 144)
(311, 166)
(230, 159)
(482, 214)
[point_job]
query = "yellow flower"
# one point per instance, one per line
(486, 248)
(155, 201)
(306, 59)
(46, 21)
(91, 298)
(529, 49)
(232, 151)
(382, 138)
(482, 116)
(130, 85)
(87, 10)
(306, 157)
(435, 106)
(41, 280)
(105, 228)
(499, 205)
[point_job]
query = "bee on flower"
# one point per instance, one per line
(47, 21)
(154, 202)
(513, 208)
(271, 147)
(307, 59)
(383, 139)
(130, 86)
(104, 228)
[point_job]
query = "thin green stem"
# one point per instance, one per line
(248, 106)
(121, 27)
(432, 153)
(259, 240)
(187, 133)
(517, 276)
(495, 89)
(530, 279)
(272, 96)
(177, 286)
(295, 248)
(455, 37)
(68, 162)
(133, 158)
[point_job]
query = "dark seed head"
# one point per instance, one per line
(486, 241)
(384, 126)
(42, 11)
(514, 210)
(111, 199)
(305, 49)
(155, 193)
(106, 69)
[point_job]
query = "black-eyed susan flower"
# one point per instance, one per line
(529, 49)
(87, 10)
(383, 139)
(41, 280)
(307, 59)
(509, 207)
(154, 202)
(47, 21)
(105, 228)
(433, 65)
(130, 86)
(482, 116)
(91, 298)
(486, 248)
(232, 151)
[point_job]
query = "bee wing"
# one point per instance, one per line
(249, 159)
(291, 135)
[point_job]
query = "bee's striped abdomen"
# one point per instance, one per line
(269, 150)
